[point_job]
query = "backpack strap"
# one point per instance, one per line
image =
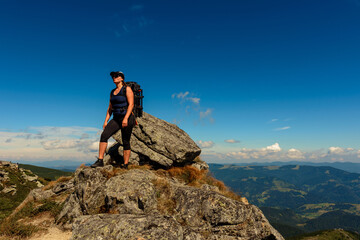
(112, 92)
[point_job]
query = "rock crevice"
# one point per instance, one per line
(158, 143)
(153, 205)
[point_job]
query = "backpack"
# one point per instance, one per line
(138, 98)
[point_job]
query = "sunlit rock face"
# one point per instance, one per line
(122, 204)
(157, 142)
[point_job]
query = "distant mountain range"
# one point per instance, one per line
(63, 165)
(297, 198)
(346, 166)
(70, 166)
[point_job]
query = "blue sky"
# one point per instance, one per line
(250, 80)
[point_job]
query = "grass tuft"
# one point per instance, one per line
(195, 177)
(82, 166)
(114, 172)
(165, 202)
(12, 227)
(59, 180)
(16, 230)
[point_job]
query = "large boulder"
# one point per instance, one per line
(112, 203)
(156, 142)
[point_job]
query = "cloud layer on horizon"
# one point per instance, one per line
(81, 144)
(276, 153)
(50, 143)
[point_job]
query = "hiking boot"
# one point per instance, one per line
(124, 166)
(98, 163)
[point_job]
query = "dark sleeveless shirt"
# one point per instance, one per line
(119, 103)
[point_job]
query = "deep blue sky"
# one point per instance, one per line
(257, 72)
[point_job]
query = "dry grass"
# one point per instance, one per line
(194, 177)
(197, 159)
(144, 167)
(82, 166)
(59, 180)
(26, 221)
(114, 172)
(165, 202)
(188, 174)
(15, 230)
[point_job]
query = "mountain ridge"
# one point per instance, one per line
(309, 195)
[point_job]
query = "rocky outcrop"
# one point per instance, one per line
(9, 168)
(8, 164)
(157, 142)
(111, 203)
(11, 189)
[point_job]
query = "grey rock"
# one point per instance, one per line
(64, 187)
(126, 226)
(11, 190)
(39, 194)
(8, 164)
(30, 178)
(140, 199)
(70, 211)
(39, 184)
(131, 192)
(201, 165)
(4, 177)
(157, 142)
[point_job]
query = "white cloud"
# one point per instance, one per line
(194, 100)
(63, 131)
(70, 143)
(274, 152)
(340, 151)
(180, 95)
(273, 148)
(186, 97)
(269, 152)
(206, 113)
(94, 147)
(238, 155)
(295, 154)
(84, 136)
(49, 143)
(205, 144)
(336, 150)
(232, 141)
(282, 128)
(191, 104)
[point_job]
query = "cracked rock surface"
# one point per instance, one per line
(141, 203)
(157, 142)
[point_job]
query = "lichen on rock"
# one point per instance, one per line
(154, 205)
(158, 143)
